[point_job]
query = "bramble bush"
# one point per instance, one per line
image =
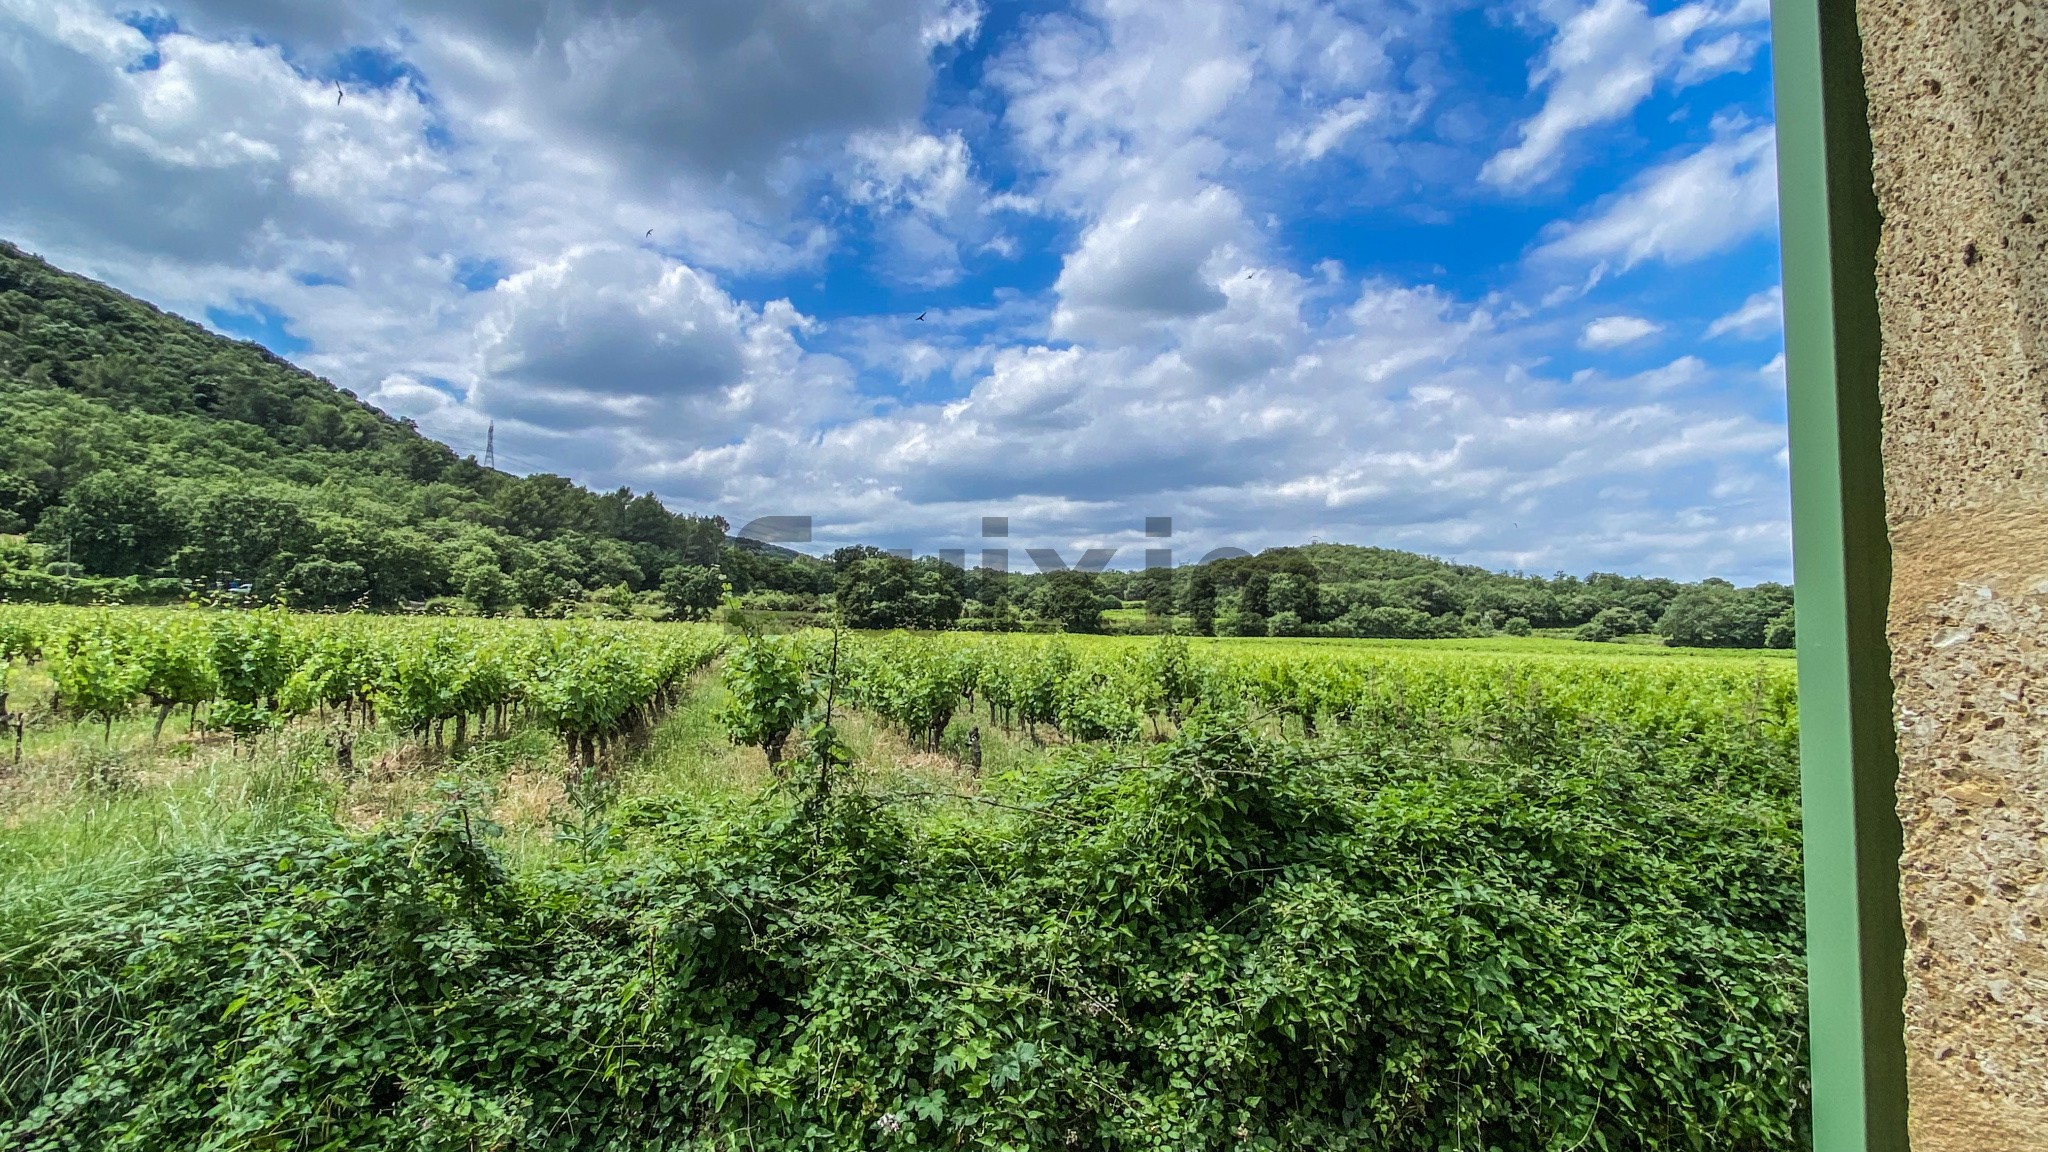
(1524, 935)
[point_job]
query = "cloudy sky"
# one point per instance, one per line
(1495, 281)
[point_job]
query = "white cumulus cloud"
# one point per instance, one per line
(1337, 123)
(1615, 331)
(1691, 207)
(1607, 58)
(1761, 315)
(1151, 261)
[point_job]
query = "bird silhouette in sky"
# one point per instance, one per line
(920, 315)
(650, 232)
(337, 93)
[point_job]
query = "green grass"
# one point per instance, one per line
(94, 808)
(82, 815)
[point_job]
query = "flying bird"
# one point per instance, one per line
(650, 232)
(337, 93)
(920, 315)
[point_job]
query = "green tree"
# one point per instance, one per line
(590, 561)
(937, 595)
(1159, 605)
(540, 590)
(1001, 616)
(693, 592)
(1251, 600)
(614, 603)
(1781, 632)
(874, 592)
(1201, 599)
(1155, 587)
(1715, 614)
(325, 427)
(400, 563)
(543, 505)
(242, 535)
(66, 455)
(1069, 599)
(986, 586)
(20, 502)
(478, 579)
(323, 583)
(1292, 592)
(843, 558)
(115, 524)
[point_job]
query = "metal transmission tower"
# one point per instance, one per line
(491, 447)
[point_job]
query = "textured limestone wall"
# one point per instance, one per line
(1959, 122)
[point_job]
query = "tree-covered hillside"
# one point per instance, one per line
(138, 444)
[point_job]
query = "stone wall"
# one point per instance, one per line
(1959, 123)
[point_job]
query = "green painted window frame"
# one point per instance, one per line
(1828, 217)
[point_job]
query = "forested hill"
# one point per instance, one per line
(139, 444)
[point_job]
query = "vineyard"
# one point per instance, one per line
(976, 891)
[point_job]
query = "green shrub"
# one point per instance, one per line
(1545, 942)
(450, 606)
(769, 695)
(1236, 622)
(1612, 624)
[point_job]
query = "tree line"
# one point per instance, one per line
(1333, 590)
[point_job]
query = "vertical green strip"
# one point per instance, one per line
(1842, 565)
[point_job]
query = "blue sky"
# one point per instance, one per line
(1490, 281)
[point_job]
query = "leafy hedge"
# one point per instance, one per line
(1541, 941)
(18, 584)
